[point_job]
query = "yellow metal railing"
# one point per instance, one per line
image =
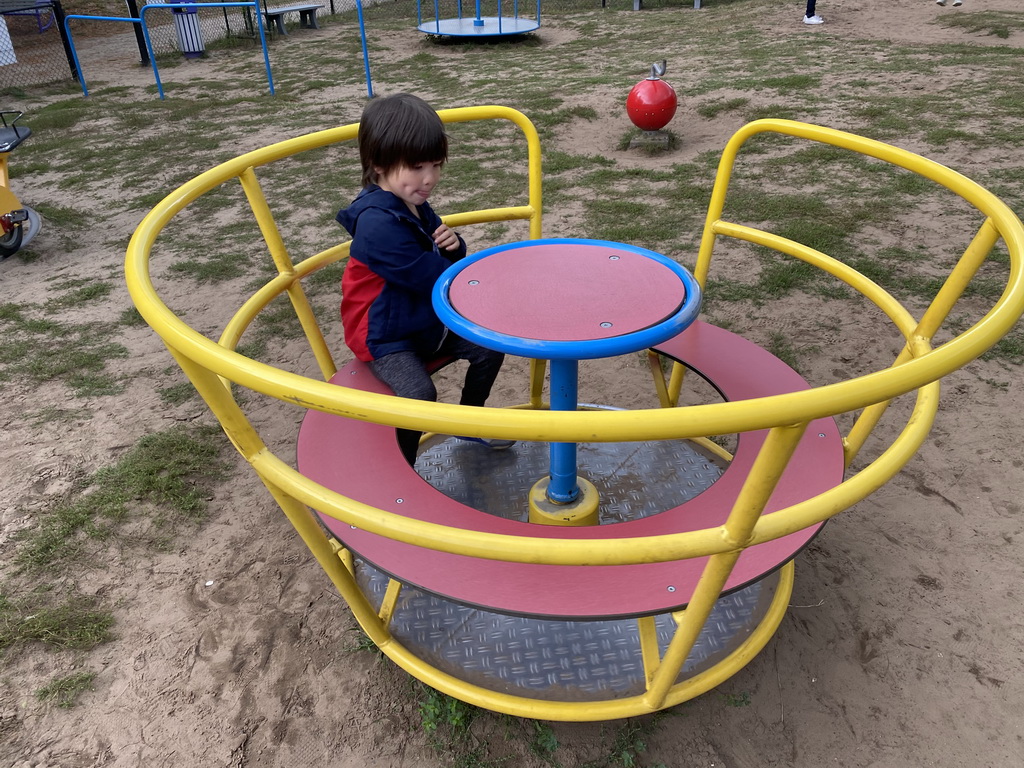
(213, 365)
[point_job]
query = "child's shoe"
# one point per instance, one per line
(494, 443)
(818, 20)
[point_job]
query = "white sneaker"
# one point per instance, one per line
(818, 20)
(957, 3)
(940, 2)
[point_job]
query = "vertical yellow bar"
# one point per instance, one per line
(675, 382)
(279, 253)
(771, 462)
(658, 375)
(716, 206)
(691, 621)
(948, 295)
(387, 606)
(216, 393)
(768, 467)
(961, 275)
(265, 221)
(649, 652)
(316, 540)
(344, 555)
(537, 370)
(311, 328)
(533, 159)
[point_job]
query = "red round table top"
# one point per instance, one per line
(566, 292)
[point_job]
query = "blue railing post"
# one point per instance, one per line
(563, 487)
(141, 22)
(366, 55)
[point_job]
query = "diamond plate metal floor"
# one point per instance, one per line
(555, 660)
(634, 480)
(561, 660)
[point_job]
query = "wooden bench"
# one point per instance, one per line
(307, 16)
(361, 460)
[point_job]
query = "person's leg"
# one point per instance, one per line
(484, 365)
(407, 376)
(810, 9)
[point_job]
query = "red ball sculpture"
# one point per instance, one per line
(652, 102)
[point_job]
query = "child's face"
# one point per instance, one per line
(411, 183)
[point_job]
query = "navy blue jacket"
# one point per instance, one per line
(392, 267)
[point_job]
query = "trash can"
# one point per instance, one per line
(190, 34)
(7, 55)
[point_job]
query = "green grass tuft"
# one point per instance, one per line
(161, 483)
(39, 617)
(64, 691)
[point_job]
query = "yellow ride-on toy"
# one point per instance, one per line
(18, 223)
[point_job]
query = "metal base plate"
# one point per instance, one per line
(556, 660)
(635, 480)
(561, 660)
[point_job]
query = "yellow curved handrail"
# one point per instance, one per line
(607, 426)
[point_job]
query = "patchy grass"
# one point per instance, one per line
(176, 394)
(78, 293)
(712, 109)
(630, 743)
(36, 346)
(457, 733)
(64, 691)
(51, 414)
(160, 484)
(997, 23)
(44, 617)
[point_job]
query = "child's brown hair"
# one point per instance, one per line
(399, 130)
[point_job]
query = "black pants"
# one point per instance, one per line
(406, 374)
(810, 8)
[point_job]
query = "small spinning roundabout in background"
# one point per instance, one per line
(478, 25)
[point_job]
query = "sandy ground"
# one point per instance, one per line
(901, 647)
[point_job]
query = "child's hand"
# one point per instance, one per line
(445, 237)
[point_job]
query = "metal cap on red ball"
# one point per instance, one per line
(652, 102)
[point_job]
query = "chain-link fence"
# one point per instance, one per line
(33, 51)
(31, 48)
(194, 30)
